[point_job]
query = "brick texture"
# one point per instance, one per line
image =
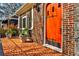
(37, 33)
(68, 29)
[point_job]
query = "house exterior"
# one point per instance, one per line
(10, 22)
(50, 24)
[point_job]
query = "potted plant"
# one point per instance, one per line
(24, 35)
(8, 33)
(14, 32)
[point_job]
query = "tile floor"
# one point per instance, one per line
(15, 47)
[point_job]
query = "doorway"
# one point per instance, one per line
(53, 24)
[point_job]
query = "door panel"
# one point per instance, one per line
(53, 24)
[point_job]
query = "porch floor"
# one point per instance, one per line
(15, 47)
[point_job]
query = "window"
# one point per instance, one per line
(53, 9)
(24, 22)
(59, 4)
(20, 22)
(27, 21)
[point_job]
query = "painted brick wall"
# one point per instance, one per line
(68, 29)
(37, 33)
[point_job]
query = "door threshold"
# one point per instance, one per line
(53, 47)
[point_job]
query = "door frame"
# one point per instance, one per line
(44, 43)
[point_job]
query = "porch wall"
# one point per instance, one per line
(68, 29)
(37, 33)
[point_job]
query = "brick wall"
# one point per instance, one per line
(37, 33)
(68, 29)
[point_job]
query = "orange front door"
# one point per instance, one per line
(53, 23)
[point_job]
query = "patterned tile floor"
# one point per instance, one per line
(15, 47)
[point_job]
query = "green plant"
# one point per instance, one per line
(24, 32)
(14, 31)
(9, 31)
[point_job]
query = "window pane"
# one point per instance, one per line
(24, 22)
(59, 4)
(29, 20)
(20, 23)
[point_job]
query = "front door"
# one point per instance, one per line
(53, 26)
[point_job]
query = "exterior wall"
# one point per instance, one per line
(76, 20)
(21, 18)
(37, 32)
(68, 29)
(76, 28)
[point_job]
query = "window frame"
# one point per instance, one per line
(26, 19)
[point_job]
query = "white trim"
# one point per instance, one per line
(14, 18)
(32, 18)
(62, 29)
(25, 21)
(22, 22)
(18, 22)
(44, 26)
(24, 17)
(53, 47)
